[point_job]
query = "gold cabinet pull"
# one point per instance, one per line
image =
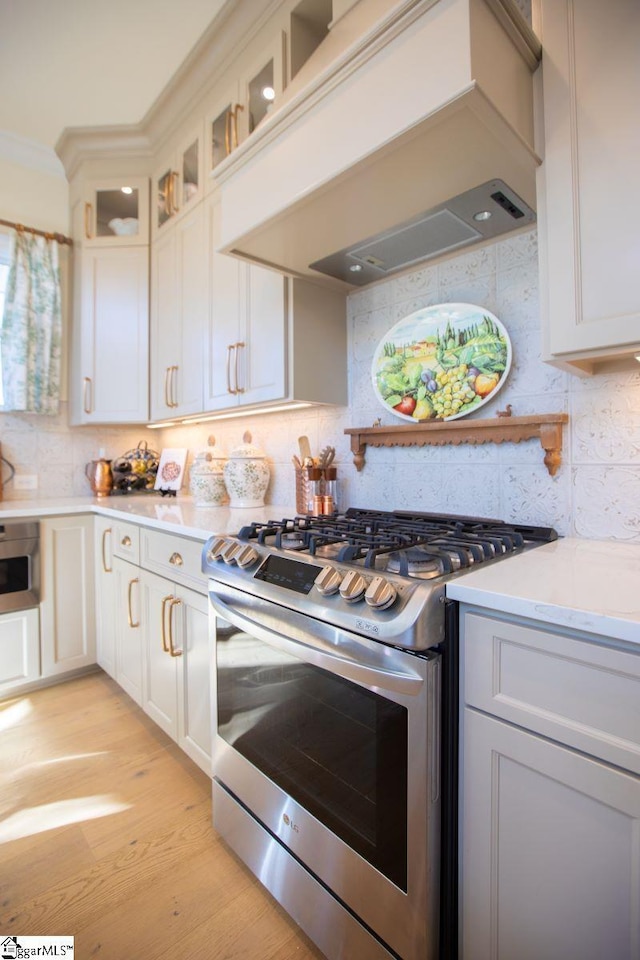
(176, 560)
(126, 541)
(238, 388)
(232, 346)
(234, 114)
(172, 387)
(174, 178)
(87, 391)
(129, 612)
(163, 614)
(104, 551)
(167, 375)
(87, 220)
(227, 132)
(175, 602)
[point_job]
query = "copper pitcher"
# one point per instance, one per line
(99, 475)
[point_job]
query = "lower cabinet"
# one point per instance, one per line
(550, 817)
(153, 632)
(19, 649)
(67, 611)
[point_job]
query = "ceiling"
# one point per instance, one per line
(90, 62)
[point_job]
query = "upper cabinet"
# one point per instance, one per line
(237, 111)
(178, 179)
(588, 188)
(113, 212)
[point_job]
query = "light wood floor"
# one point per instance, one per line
(105, 834)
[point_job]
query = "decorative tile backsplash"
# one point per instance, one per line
(595, 493)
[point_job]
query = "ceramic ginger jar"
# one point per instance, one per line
(246, 475)
(206, 480)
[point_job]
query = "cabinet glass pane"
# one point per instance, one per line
(190, 172)
(261, 95)
(221, 136)
(164, 210)
(117, 212)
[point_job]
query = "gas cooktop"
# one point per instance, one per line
(381, 574)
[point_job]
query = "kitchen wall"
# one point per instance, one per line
(595, 493)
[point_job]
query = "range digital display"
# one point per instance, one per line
(290, 574)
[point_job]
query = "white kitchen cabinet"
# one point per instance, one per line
(178, 181)
(239, 108)
(127, 613)
(19, 649)
(179, 274)
(550, 794)
(109, 374)
(588, 189)
(106, 620)
(67, 609)
(271, 338)
(112, 212)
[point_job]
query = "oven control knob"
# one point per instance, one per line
(245, 556)
(230, 551)
(353, 586)
(380, 593)
(216, 549)
(328, 581)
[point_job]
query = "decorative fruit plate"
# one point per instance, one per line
(441, 362)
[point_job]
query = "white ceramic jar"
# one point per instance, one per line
(246, 475)
(206, 480)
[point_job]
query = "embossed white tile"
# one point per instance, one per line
(56, 448)
(607, 502)
(472, 490)
(531, 495)
(479, 290)
(418, 488)
(517, 296)
(605, 426)
(517, 249)
(419, 283)
(479, 262)
(528, 374)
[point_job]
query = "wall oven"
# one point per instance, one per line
(19, 565)
(334, 693)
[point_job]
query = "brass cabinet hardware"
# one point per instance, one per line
(126, 541)
(87, 220)
(173, 177)
(104, 551)
(238, 388)
(172, 387)
(87, 390)
(232, 346)
(129, 612)
(175, 602)
(167, 374)
(169, 193)
(163, 614)
(176, 559)
(227, 132)
(234, 115)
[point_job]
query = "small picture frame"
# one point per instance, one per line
(170, 473)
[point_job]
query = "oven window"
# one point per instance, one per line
(338, 749)
(14, 574)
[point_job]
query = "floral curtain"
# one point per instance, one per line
(32, 327)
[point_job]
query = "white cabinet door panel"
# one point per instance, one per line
(19, 649)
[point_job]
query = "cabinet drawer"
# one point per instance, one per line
(576, 692)
(174, 557)
(126, 541)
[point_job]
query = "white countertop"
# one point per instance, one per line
(175, 515)
(587, 585)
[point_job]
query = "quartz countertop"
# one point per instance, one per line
(588, 585)
(174, 515)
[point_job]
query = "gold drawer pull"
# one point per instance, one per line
(129, 613)
(176, 560)
(126, 541)
(175, 602)
(105, 567)
(165, 601)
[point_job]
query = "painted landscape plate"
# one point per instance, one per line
(441, 362)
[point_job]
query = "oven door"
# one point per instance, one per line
(331, 741)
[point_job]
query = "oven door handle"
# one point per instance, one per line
(313, 649)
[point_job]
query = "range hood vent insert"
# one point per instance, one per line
(439, 231)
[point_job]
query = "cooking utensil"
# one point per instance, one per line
(305, 449)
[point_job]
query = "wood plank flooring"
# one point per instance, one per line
(106, 835)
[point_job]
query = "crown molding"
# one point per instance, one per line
(77, 144)
(30, 153)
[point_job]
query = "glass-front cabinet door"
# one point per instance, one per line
(236, 115)
(178, 180)
(113, 212)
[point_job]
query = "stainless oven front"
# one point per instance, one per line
(327, 753)
(19, 565)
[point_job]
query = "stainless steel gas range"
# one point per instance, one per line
(334, 768)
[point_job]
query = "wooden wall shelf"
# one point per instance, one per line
(503, 429)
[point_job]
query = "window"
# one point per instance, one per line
(5, 253)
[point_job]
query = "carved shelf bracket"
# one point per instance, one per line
(504, 429)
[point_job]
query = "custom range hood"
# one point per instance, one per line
(406, 135)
